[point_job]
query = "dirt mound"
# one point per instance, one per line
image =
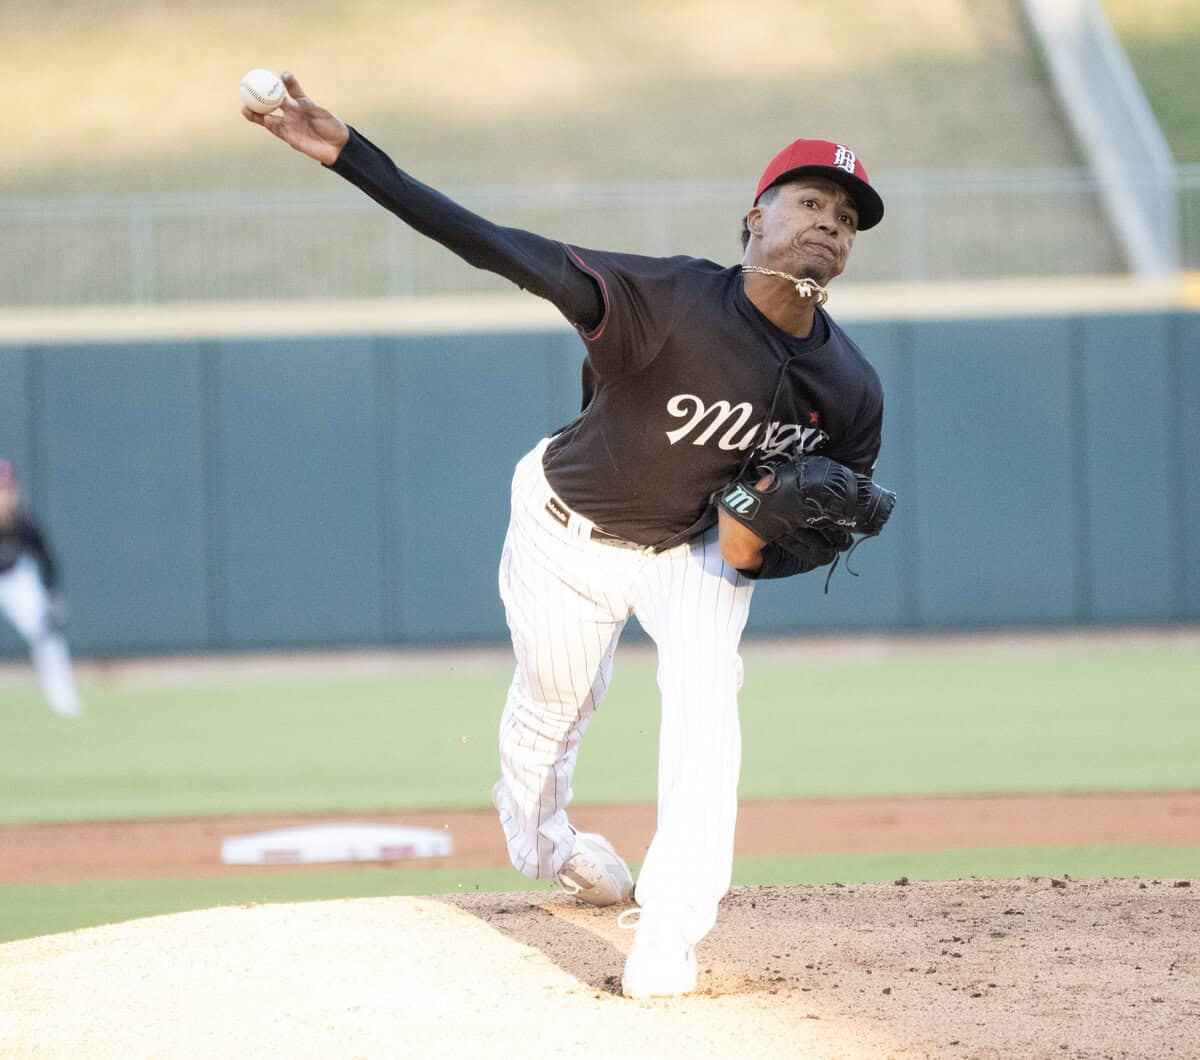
(978, 968)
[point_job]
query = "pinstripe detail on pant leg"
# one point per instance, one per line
(565, 612)
(695, 606)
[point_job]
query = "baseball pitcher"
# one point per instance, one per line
(684, 479)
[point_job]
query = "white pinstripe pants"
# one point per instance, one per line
(567, 598)
(26, 604)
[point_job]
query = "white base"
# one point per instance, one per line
(336, 842)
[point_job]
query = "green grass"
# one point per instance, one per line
(314, 746)
(1120, 718)
(1162, 40)
(1076, 718)
(29, 910)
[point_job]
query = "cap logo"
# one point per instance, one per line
(844, 158)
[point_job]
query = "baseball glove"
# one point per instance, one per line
(808, 512)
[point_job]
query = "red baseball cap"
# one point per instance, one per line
(836, 162)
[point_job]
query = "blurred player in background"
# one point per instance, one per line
(28, 598)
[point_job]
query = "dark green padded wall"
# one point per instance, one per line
(994, 456)
(300, 505)
(463, 410)
(1185, 459)
(121, 443)
(297, 492)
(1132, 473)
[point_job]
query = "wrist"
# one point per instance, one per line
(340, 139)
(746, 562)
(340, 152)
(740, 547)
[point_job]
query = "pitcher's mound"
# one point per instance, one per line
(1034, 967)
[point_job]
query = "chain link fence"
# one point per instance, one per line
(338, 244)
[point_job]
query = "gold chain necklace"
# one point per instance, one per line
(805, 287)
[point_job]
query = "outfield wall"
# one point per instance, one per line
(216, 493)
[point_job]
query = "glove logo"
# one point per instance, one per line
(741, 500)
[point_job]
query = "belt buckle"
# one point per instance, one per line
(605, 538)
(561, 514)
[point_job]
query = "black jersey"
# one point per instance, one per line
(23, 535)
(684, 381)
(685, 378)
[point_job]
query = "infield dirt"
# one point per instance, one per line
(148, 849)
(989, 969)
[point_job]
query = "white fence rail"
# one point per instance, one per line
(1104, 102)
(201, 247)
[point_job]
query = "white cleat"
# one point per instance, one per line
(661, 962)
(594, 872)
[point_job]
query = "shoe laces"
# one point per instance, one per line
(630, 918)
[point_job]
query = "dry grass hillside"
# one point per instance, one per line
(141, 95)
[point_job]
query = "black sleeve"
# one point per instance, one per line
(862, 449)
(641, 302)
(534, 263)
(858, 447)
(799, 552)
(780, 563)
(34, 541)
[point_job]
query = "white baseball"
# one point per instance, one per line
(262, 91)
